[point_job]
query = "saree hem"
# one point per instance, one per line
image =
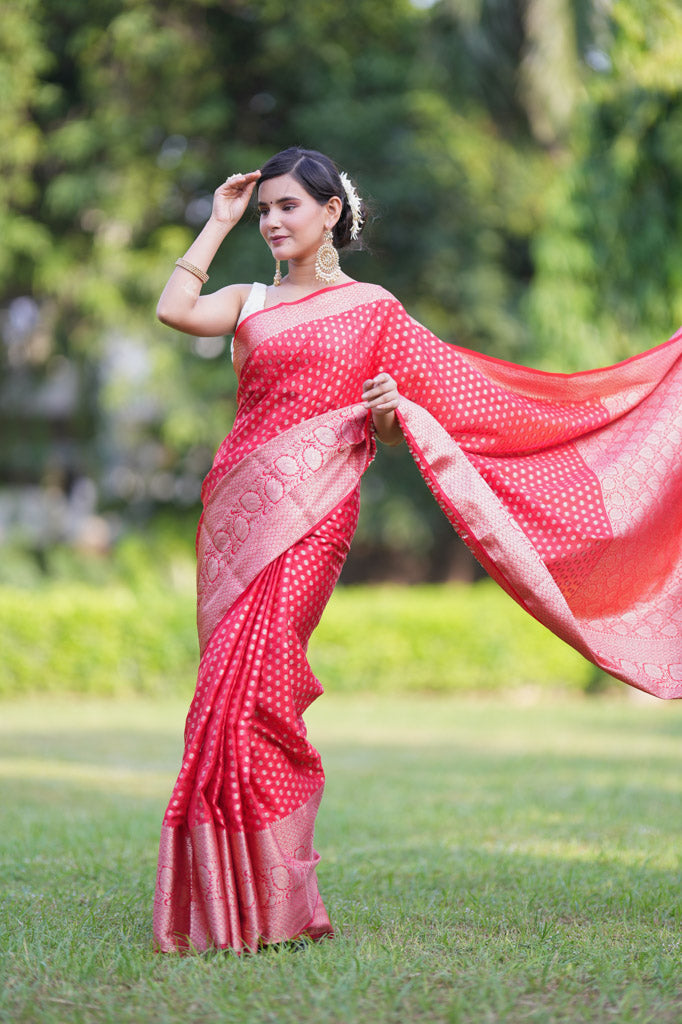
(217, 889)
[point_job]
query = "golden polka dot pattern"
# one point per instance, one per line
(567, 487)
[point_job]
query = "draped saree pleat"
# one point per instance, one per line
(237, 861)
(568, 489)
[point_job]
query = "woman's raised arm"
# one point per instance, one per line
(181, 304)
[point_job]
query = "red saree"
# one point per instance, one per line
(568, 488)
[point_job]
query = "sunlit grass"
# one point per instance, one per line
(481, 862)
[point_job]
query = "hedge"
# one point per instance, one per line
(119, 639)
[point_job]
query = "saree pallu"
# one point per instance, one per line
(568, 488)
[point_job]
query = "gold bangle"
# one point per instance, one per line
(186, 265)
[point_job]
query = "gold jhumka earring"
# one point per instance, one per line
(327, 266)
(277, 280)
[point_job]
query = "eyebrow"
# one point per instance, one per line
(277, 202)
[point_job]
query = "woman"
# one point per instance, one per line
(567, 488)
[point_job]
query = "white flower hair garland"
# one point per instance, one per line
(354, 203)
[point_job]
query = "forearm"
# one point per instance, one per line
(380, 397)
(183, 287)
(387, 428)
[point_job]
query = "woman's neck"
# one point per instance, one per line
(301, 274)
(300, 278)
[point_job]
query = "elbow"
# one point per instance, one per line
(169, 318)
(163, 314)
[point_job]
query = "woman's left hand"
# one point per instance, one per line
(380, 395)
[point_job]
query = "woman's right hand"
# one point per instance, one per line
(232, 197)
(181, 305)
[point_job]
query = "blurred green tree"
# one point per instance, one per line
(519, 154)
(608, 270)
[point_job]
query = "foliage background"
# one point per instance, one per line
(133, 638)
(523, 159)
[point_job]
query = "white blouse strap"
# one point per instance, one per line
(255, 300)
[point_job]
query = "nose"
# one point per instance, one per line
(270, 218)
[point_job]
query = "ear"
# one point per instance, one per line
(333, 211)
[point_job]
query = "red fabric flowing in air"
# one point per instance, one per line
(568, 488)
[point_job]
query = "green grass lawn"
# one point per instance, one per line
(482, 861)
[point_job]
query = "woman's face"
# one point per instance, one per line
(291, 221)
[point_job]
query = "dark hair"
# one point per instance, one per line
(319, 176)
